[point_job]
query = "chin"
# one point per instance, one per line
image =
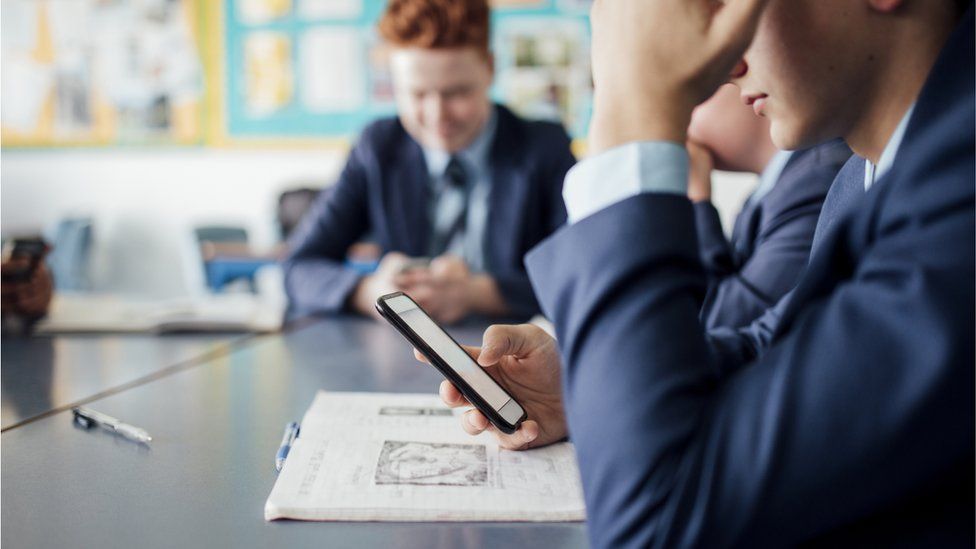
(789, 137)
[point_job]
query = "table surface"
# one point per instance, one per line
(45, 373)
(215, 428)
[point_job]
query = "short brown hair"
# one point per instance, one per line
(436, 24)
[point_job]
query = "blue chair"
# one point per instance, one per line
(222, 268)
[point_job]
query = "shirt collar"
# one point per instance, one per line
(474, 155)
(874, 172)
(771, 173)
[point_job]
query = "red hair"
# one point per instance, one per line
(436, 24)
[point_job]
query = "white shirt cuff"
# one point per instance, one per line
(622, 172)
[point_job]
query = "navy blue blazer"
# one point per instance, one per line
(770, 242)
(734, 346)
(383, 190)
(855, 426)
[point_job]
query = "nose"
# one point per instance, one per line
(436, 108)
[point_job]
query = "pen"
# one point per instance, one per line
(88, 418)
(291, 433)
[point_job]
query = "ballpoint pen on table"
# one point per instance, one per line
(88, 418)
(291, 432)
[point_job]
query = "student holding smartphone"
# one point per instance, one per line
(853, 425)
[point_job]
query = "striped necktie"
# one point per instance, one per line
(451, 212)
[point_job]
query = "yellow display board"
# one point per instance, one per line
(101, 73)
(290, 73)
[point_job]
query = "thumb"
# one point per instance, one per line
(501, 340)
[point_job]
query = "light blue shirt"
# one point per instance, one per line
(662, 167)
(475, 159)
(873, 173)
(622, 172)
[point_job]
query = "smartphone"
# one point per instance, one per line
(451, 360)
(31, 249)
(415, 263)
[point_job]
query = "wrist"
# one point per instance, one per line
(362, 298)
(617, 121)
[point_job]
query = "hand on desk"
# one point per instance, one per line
(29, 298)
(447, 289)
(381, 282)
(525, 361)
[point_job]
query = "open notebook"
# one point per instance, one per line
(399, 457)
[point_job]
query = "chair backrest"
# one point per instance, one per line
(292, 205)
(222, 234)
(217, 241)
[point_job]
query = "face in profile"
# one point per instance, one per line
(807, 69)
(442, 94)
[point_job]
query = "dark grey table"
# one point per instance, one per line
(45, 373)
(216, 427)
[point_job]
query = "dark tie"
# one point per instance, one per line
(451, 212)
(846, 189)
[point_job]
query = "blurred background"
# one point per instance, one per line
(166, 147)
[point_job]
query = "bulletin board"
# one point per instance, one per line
(239, 72)
(317, 69)
(81, 72)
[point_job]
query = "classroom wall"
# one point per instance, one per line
(145, 202)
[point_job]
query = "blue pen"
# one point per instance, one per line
(291, 433)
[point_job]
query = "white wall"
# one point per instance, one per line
(146, 201)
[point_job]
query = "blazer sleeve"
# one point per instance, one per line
(714, 248)
(739, 293)
(316, 280)
(672, 452)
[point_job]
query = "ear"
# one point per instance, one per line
(885, 6)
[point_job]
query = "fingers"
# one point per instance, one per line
(474, 423)
(735, 23)
(473, 352)
(408, 279)
(501, 340)
(448, 267)
(521, 439)
(451, 396)
(420, 356)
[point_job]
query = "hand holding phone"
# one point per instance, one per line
(444, 353)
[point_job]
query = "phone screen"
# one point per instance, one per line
(449, 351)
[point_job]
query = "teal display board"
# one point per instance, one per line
(316, 68)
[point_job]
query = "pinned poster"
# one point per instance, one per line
(330, 9)
(26, 86)
(333, 73)
(259, 12)
(269, 82)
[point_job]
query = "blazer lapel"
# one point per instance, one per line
(408, 195)
(510, 185)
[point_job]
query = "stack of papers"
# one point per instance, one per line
(396, 457)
